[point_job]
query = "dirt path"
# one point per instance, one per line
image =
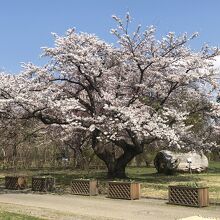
(65, 207)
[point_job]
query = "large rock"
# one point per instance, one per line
(170, 162)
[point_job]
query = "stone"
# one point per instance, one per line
(169, 162)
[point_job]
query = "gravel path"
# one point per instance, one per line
(66, 207)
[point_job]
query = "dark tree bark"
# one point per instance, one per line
(116, 166)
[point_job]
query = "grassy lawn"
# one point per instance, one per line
(156, 185)
(13, 216)
(153, 185)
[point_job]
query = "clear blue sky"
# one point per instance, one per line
(26, 24)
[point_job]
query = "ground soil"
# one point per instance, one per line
(68, 207)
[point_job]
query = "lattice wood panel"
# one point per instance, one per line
(122, 190)
(15, 182)
(84, 187)
(43, 184)
(188, 196)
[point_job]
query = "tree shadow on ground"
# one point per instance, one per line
(215, 170)
(65, 178)
(163, 179)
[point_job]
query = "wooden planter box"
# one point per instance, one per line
(43, 183)
(84, 187)
(189, 196)
(15, 182)
(124, 190)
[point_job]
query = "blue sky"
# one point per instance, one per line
(25, 25)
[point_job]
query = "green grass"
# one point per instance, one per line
(13, 216)
(153, 184)
(156, 185)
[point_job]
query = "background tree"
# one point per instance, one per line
(119, 99)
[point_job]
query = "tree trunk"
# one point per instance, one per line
(116, 166)
(116, 172)
(116, 169)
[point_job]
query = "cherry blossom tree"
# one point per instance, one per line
(121, 98)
